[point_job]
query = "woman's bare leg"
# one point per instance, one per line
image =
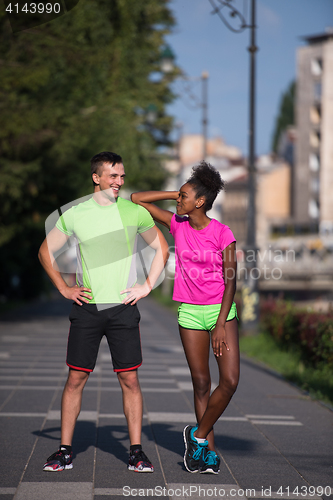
(196, 345)
(228, 365)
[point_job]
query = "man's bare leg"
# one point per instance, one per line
(132, 403)
(71, 403)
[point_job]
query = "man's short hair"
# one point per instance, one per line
(98, 160)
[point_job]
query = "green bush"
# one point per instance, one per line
(309, 333)
(316, 336)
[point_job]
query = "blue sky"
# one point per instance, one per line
(201, 42)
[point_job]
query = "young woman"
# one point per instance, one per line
(205, 284)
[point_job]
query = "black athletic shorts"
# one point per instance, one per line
(120, 325)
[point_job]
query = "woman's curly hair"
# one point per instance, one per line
(207, 182)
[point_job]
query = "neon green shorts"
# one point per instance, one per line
(195, 317)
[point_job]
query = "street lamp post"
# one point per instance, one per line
(251, 229)
(204, 79)
(250, 295)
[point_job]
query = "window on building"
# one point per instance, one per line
(313, 209)
(315, 139)
(315, 114)
(316, 66)
(314, 162)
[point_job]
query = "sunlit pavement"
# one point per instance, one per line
(273, 440)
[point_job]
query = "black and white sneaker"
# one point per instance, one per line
(193, 449)
(210, 463)
(139, 462)
(59, 461)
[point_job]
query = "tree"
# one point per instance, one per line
(285, 116)
(71, 88)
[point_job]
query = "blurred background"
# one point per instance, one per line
(166, 84)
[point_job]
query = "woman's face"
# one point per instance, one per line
(187, 200)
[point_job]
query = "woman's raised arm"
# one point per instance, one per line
(147, 198)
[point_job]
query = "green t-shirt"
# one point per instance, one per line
(106, 243)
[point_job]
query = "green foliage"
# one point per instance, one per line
(285, 116)
(71, 88)
(308, 333)
(278, 317)
(316, 336)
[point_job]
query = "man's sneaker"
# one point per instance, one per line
(59, 461)
(139, 462)
(210, 463)
(193, 449)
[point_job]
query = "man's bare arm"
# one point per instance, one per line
(53, 242)
(155, 239)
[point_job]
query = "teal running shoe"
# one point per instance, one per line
(193, 449)
(210, 463)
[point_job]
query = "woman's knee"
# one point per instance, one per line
(201, 384)
(230, 383)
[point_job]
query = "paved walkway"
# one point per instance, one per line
(274, 442)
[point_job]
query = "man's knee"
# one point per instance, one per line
(129, 380)
(76, 380)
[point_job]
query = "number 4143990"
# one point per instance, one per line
(303, 491)
(34, 8)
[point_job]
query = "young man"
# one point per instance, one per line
(104, 298)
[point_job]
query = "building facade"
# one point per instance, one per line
(313, 174)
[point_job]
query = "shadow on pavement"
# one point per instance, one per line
(113, 439)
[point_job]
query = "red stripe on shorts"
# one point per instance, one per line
(127, 369)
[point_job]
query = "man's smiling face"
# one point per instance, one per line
(111, 179)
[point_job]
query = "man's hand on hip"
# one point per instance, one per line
(77, 293)
(136, 293)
